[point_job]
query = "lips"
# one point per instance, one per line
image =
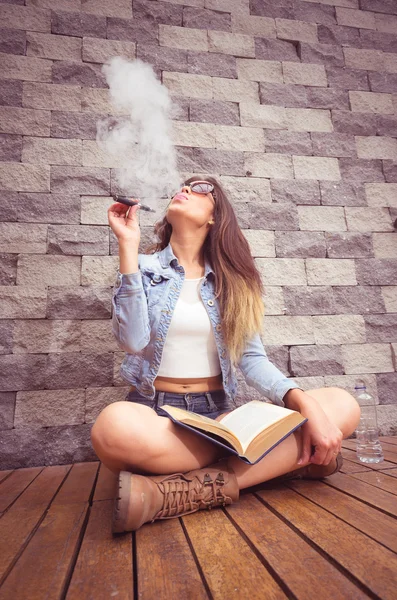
(180, 197)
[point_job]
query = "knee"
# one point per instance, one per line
(351, 409)
(114, 424)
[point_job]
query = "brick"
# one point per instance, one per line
(249, 139)
(282, 271)
(270, 117)
(256, 26)
(51, 151)
(339, 329)
(390, 62)
(84, 74)
(357, 299)
(383, 82)
(300, 244)
(200, 135)
(79, 370)
(25, 17)
(349, 244)
(288, 142)
(63, 208)
(13, 41)
(23, 238)
(308, 119)
(20, 372)
(7, 405)
(297, 330)
(79, 303)
(381, 194)
(161, 57)
(51, 96)
(390, 171)
(24, 178)
(269, 165)
(80, 180)
(133, 30)
(359, 170)
(97, 399)
(355, 18)
(74, 125)
(279, 94)
(183, 38)
(97, 336)
(304, 74)
(300, 192)
(269, 49)
(206, 19)
(246, 189)
(333, 144)
(281, 217)
(77, 240)
(316, 167)
(385, 245)
(376, 147)
(10, 147)
(8, 212)
(296, 30)
(327, 98)
(366, 358)
(267, 8)
(43, 409)
(347, 79)
(207, 111)
(321, 218)
(210, 63)
(233, 6)
(98, 270)
(78, 24)
(386, 384)
(327, 271)
(344, 3)
(25, 67)
(57, 47)
(45, 270)
(220, 161)
(323, 54)
(261, 242)
(317, 13)
(22, 302)
(42, 336)
(387, 126)
(376, 271)
(237, 44)
(24, 121)
(371, 102)
(386, 23)
(337, 34)
(378, 40)
(382, 6)
(316, 360)
(345, 121)
(368, 219)
(188, 85)
(68, 5)
(259, 70)
(10, 92)
(370, 60)
(117, 8)
(389, 294)
(99, 51)
(230, 90)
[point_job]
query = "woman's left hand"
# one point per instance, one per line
(319, 432)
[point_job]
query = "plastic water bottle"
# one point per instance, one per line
(369, 449)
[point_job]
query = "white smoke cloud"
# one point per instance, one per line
(141, 137)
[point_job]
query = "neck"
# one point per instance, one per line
(188, 249)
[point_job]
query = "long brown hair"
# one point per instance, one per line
(238, 284)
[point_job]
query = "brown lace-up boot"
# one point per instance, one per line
(146, 498)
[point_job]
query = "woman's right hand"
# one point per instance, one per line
(125, 226)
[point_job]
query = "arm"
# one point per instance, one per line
(130, 319)
(263, 375)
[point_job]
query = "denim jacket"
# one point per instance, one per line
(142, 308)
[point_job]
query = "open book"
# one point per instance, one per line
(250, 431)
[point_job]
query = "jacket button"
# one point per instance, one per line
(218, 327)
(157, 278)
(210, 303)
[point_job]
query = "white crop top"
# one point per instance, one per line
(190, 348)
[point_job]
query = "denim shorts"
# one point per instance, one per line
(209, 404)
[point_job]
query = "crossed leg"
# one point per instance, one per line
(132, 437)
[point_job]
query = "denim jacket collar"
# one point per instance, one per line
(167, 255)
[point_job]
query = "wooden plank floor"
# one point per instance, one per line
(329, 539)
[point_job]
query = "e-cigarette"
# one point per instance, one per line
(128, 202)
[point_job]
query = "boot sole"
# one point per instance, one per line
(121, 502)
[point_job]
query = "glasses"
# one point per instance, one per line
(201, 187)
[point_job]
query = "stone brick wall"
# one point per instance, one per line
(291, 103)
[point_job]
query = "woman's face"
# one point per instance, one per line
(189, 206)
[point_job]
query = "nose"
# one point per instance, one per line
(186, 188)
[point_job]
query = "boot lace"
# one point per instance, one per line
(183, 495)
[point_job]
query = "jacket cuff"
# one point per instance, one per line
(128, 281)
(281, 388)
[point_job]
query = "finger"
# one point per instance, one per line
(306, 450)
(319, 456)
(131, 217)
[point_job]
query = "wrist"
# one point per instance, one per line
(294, 399)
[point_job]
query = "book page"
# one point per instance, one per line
(248, 420)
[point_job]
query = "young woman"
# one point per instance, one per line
(188, 313)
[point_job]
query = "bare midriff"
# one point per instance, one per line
(185, 385)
